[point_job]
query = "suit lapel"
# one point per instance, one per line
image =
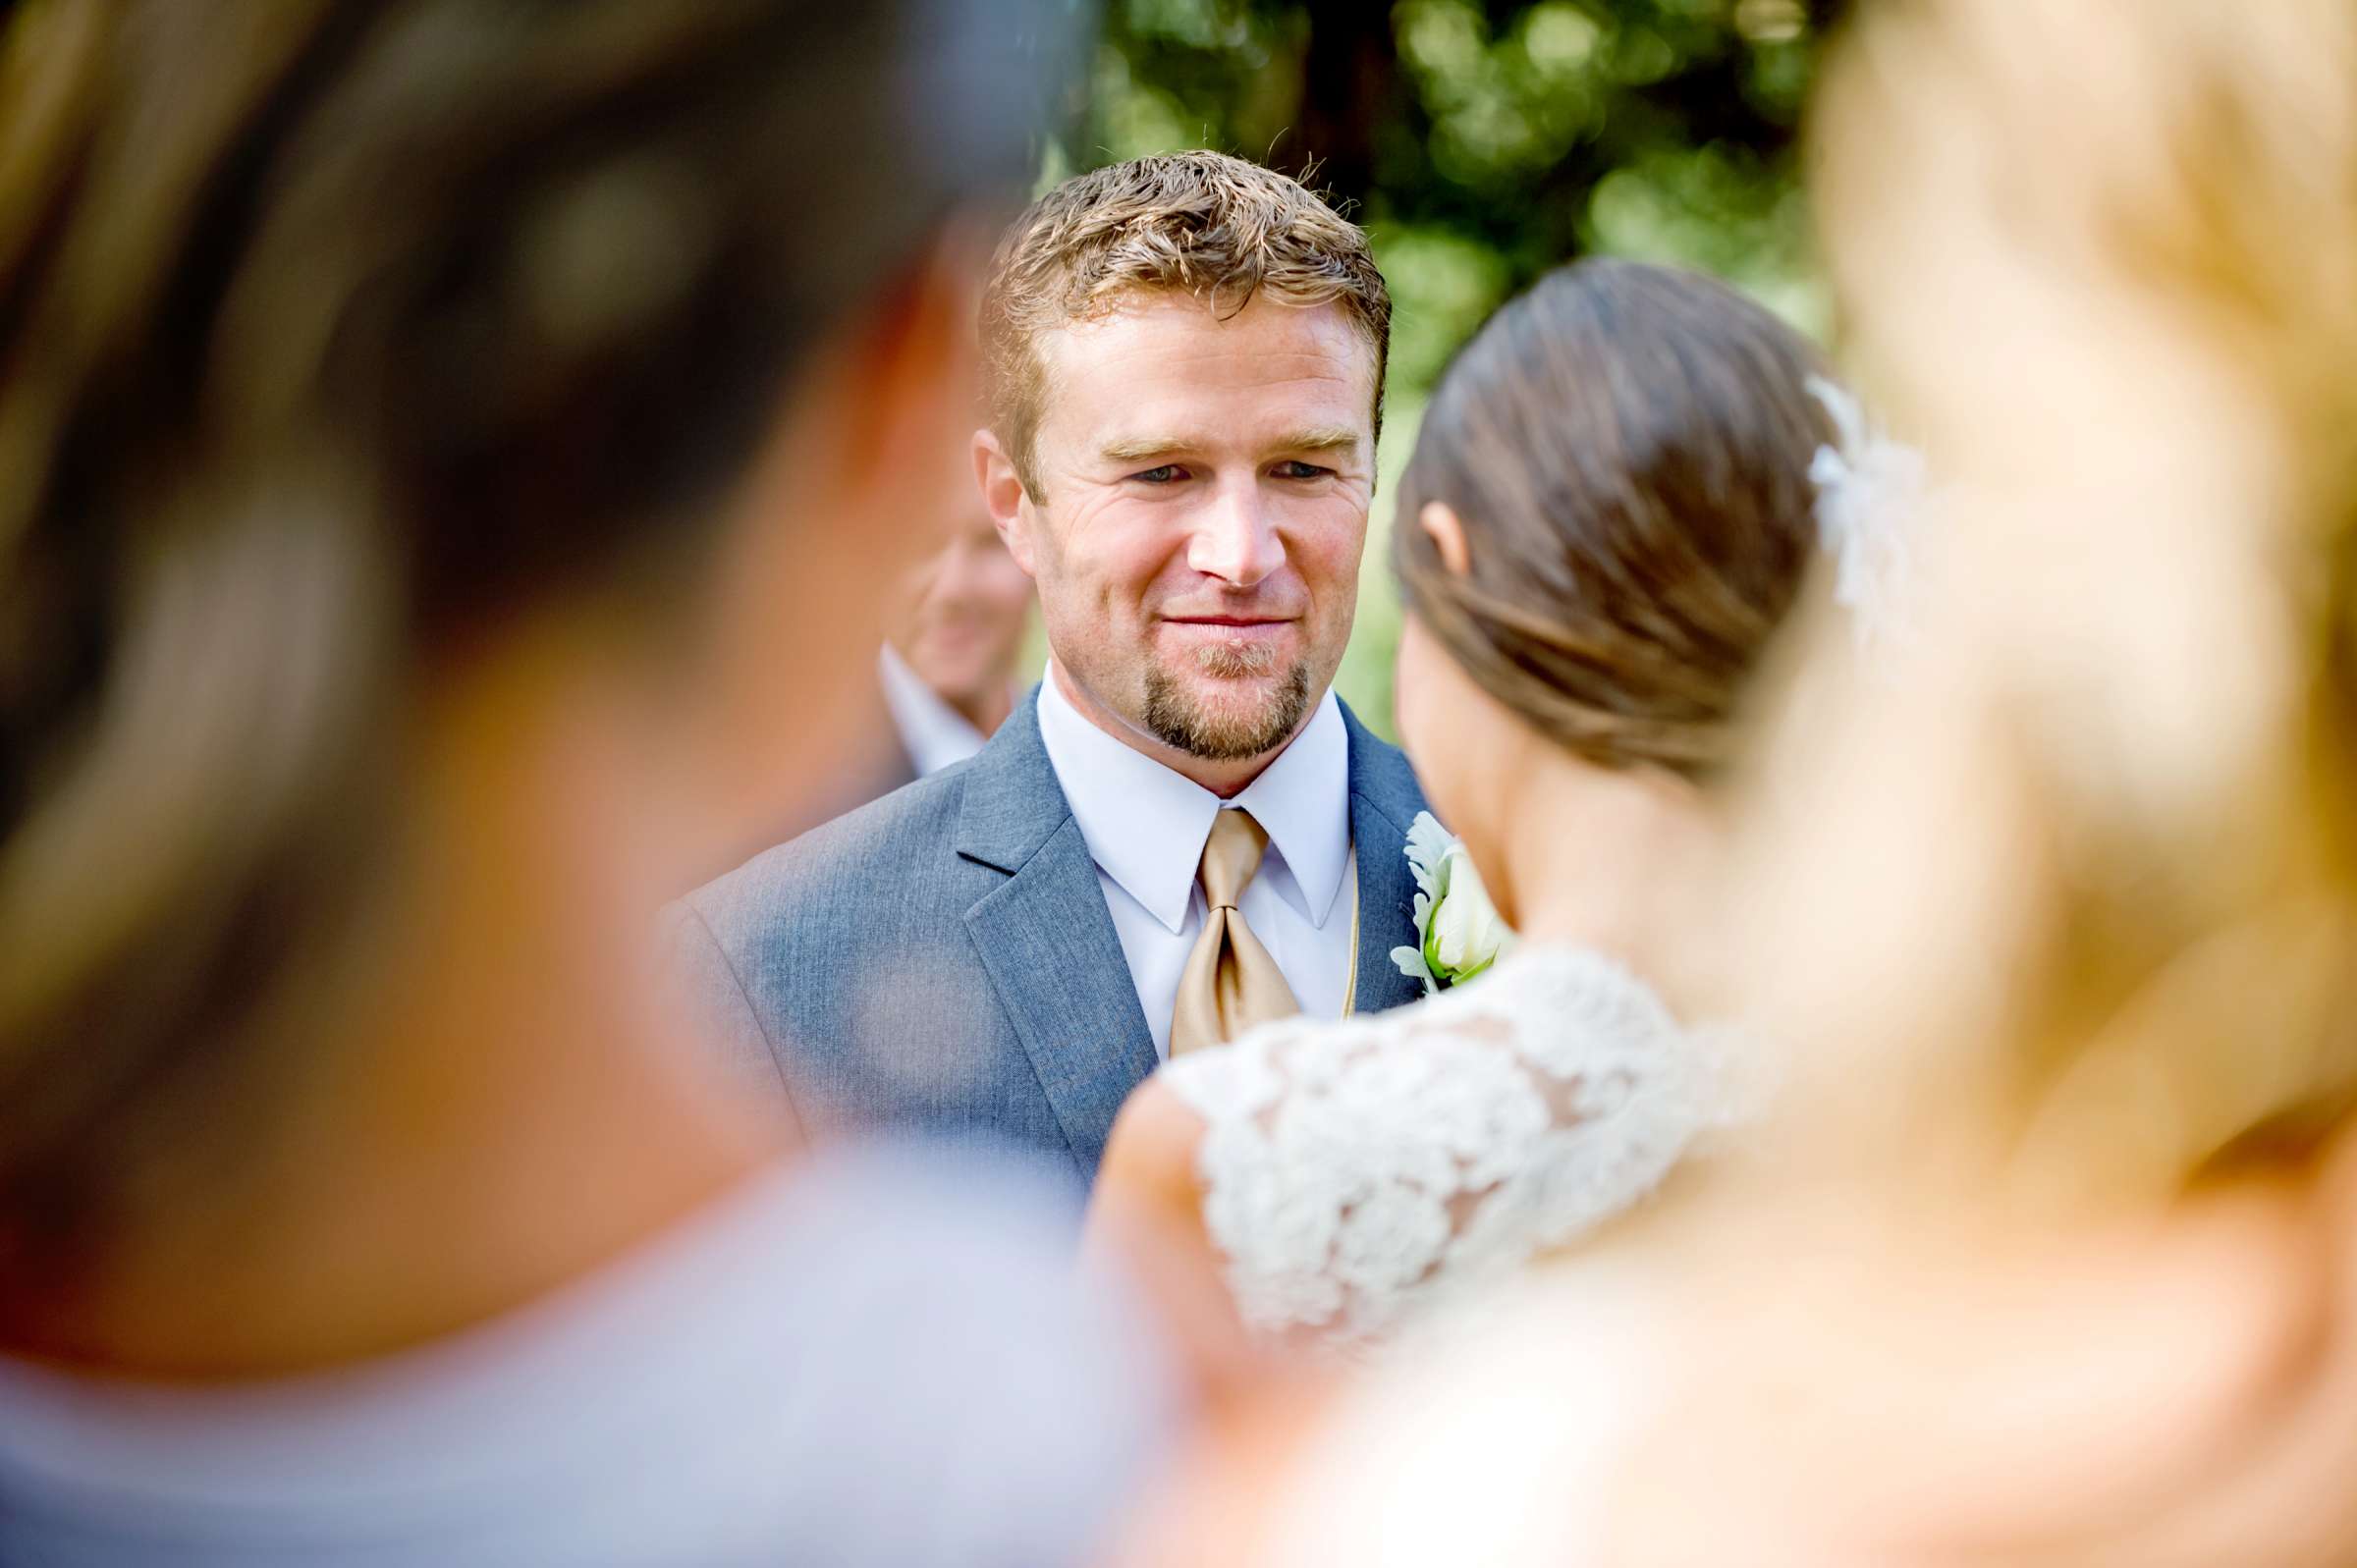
(1383, 801)
(1048, 943)
(1047, 940)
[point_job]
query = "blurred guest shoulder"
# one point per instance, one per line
(832, 969)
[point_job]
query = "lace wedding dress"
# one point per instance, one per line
(1359, 1171)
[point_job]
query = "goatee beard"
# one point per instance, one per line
(1173, 717)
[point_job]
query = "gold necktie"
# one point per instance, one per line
(1231, 982)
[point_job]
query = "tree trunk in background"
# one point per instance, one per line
(1349, 80)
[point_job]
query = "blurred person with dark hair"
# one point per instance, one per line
(1184, 832)
(398, 398)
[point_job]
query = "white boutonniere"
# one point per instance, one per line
(1458, 934)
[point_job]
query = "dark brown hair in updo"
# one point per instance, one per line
(1628, 447)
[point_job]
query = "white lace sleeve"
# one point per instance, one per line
(1354, 1170)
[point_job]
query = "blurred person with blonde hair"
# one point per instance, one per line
(397, 399)
(2051, 1255)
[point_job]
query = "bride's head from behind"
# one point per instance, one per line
(1608, 517)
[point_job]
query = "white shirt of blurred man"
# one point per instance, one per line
(947, 665)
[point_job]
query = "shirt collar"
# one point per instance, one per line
(935, 734)
(1145, 825)
(1303, 800)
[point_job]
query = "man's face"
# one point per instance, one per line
(959, 617)
(1200, 508)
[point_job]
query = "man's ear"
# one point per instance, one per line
(1005, 498)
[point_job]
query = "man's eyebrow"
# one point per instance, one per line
(1132, 449)
(1321, 438)
(1315, 439)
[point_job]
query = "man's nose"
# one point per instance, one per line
(1236, 539)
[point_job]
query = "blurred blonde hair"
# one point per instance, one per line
(2067, 896)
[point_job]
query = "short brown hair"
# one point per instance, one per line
(1199, 223)
(1628, 448)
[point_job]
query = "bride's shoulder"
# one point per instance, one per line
(1552, 1002)
(1560, 1008)
(1567, 1001)
(1571, 990)
(1594, 985)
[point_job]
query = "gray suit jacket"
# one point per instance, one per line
(943, 958)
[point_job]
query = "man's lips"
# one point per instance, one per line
(1234, 622)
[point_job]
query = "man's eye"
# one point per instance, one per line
(1163, 475)
(1302, 470)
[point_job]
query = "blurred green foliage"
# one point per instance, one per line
(1482, 143)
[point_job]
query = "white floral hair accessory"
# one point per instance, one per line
(1459, 932)
(1869, 489)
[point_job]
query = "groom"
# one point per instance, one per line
(1183, 832)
